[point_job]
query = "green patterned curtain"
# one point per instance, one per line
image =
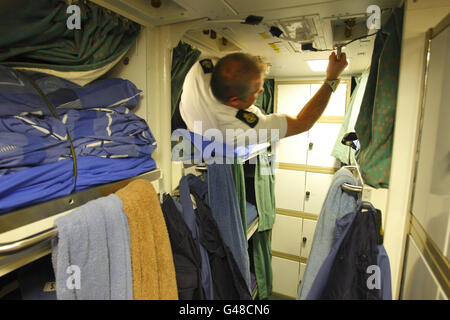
(37, 36)
(265, 202)
(376, 119)
(183, 58)
(265, 99)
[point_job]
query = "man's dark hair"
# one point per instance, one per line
(232, 76)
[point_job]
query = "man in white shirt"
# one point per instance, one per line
(218, 96)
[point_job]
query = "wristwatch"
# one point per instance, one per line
(333, 84)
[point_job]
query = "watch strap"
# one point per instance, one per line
(333, 84)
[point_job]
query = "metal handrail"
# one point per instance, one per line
(350, 187)
(19, 245)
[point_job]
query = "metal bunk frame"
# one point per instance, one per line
(18, 253)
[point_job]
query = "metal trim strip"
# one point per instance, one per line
(434, 257)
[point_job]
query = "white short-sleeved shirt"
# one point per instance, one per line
(205, 115)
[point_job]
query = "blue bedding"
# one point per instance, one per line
(54, 180)
(110, 142)
(208, 151)
(30, 140)
(18, 96)
(251, 213)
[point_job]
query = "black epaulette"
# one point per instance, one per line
(207, 65)
(248, 118)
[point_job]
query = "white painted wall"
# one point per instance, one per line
(420, 15)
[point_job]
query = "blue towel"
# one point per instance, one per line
(337, 204)
(94, 241)
(225, 210)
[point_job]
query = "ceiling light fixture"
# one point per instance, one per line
(320, 65)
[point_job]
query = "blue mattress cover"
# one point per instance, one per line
(251, 213)
(208, 151)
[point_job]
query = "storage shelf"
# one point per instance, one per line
(15, 253)
(34, 213)
(255, 293)
(252, 228)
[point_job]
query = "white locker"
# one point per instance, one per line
(301, 273)
(321, 140)
(337, 104)
(317, 185)
(292, 98)
(289, 189)
(293, 149)
(286, 234)
(284, 274)
(309, 227)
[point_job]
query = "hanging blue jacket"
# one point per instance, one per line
(382, 261)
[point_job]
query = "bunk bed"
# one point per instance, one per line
(27, 224)
(65, 145)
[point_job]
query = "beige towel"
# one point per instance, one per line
(151, 253)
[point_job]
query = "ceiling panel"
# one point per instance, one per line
(269, 5)
(286, 61)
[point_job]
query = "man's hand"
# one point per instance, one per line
(335, 66)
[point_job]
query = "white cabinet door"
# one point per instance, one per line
(309, 226)
(289, 189)
(286, 234)
(338, 100)
(291, 98)
(322, 138)
(301, 273)
(293, 149)
(285, 272)
(317, 185)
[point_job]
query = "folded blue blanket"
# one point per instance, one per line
(30, 140)
(54, 180)
(110, 142)
(18, 96)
